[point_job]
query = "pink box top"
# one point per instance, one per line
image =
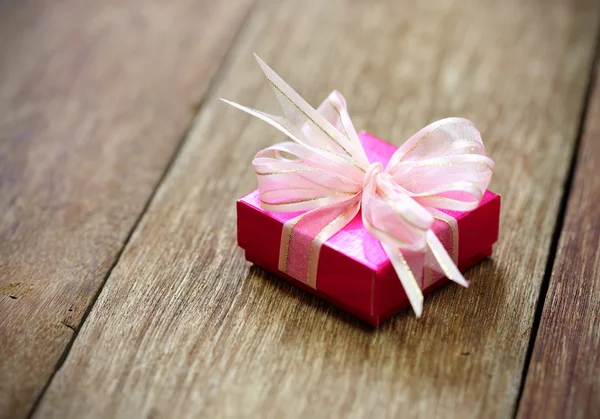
(353, 240)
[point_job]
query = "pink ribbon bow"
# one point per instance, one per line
(325, 174)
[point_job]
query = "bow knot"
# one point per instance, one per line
(325, 174)
(374, 170)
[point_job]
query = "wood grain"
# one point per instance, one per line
(185, 327)
(94, 99)
(563, 380)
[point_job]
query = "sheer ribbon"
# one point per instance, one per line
(324, 173)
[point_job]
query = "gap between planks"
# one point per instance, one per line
(560, 220)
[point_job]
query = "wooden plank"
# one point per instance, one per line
(184, 327)
(94, 99)
(563, 379)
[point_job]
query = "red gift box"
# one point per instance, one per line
(354, 273)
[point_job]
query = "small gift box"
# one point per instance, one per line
(360, 223)
(354, 273)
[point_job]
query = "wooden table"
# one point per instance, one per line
(122, 290)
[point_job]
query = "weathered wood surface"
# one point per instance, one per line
(94, 99)
(563, 380)
(185, 327)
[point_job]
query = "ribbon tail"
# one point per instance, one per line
(273, 120)
(407, 278)
(448, 237)
(299, 113)
(444, 260)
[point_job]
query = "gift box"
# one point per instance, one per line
(359, 223)
(354, 273)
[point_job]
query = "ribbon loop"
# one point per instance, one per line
(325, 172)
